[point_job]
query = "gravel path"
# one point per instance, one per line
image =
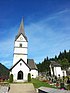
(22, 88)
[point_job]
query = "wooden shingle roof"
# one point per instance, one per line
(32, 64)
(55, 64)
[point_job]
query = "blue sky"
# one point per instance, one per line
(47, 27)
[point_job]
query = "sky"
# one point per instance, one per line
(46, 24)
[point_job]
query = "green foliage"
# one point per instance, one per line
(68, 87)
(55, 58)
(44, 66)
(39, 66)
(11, 78)
(29, 77)
(63, 58)
(61, 85)
(64, 63)
(64, 55)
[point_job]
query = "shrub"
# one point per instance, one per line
(29, 77)
(68, 86)
(11, 78)
(61, 85)
(68, 81)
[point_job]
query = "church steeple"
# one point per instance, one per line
(21, 28)
(20, 45)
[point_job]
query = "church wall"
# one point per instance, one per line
(24, 44)
(22, 68)
(20, 50)
(17, 58)
(34, 73)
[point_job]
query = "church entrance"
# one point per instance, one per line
(20, 75)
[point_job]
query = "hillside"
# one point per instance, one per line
(63, 59)
(4, 72)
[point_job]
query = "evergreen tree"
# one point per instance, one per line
(55, 58)
(47, 58)
(64, 63)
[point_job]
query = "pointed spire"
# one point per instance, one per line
(21, 31)
(21, 28)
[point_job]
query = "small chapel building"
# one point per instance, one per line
(21, 64)
(55, 69)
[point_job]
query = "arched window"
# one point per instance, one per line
(20, 75)
(20, 45)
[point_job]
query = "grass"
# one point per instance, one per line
(38, 83)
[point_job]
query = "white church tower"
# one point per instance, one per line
(21, 65)
(20, 45)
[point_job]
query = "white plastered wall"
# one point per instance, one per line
(24, 68)
(18, 57)
(34, 73)
(58, 71)
(20, 52)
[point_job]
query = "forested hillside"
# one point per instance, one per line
(4, 72)
(63, 58)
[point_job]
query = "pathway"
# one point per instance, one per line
(22, 88)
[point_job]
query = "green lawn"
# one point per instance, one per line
(38, 83)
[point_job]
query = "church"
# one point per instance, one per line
(21, 64)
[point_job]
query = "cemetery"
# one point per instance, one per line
(57, 84)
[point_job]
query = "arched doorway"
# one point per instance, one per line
(20, 75)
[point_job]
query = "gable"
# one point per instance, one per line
(21, 37)
(18, 63)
